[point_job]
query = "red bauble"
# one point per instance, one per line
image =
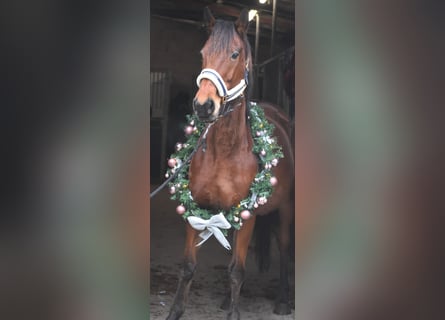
(180, 209)
(188, 130)
(171, 162)
(245, 214)
(273, 181)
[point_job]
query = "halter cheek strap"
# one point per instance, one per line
(217, 80)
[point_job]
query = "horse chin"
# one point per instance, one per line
(209, 119)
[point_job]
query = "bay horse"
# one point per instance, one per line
(222, 171)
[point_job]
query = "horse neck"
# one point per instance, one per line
(230, 134)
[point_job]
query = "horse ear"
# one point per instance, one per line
(209, 20)
(242, 24)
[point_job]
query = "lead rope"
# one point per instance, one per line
(201, 142)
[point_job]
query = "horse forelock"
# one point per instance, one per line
(222, 35)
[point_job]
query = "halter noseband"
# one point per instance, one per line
(225, 94)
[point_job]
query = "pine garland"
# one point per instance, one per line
(265, 147)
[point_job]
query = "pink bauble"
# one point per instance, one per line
(263, 152)
(172, 189)
(188, 130)
(171, 162)
(273, 181)
(258, 133)
(180, 209)
(274, 162)
(245, 214)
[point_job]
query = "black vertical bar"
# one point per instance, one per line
(274, 20)
(257, 37)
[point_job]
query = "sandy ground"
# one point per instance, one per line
(210, 282)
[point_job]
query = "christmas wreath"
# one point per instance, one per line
(265, 147)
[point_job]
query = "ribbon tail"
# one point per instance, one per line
(205, 235)
(221, 238)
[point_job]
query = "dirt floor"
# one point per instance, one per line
(210, 281)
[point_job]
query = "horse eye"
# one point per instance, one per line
(235, 55)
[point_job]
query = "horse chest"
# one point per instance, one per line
(222, 184)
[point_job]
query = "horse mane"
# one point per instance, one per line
(250, 75)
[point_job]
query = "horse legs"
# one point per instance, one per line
(186, 275)
(238, 265)
(282, 306)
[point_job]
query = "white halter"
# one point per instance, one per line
(215, 77)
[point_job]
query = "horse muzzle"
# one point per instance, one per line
(204, 111)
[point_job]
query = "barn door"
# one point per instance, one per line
(270, 80)
(159, 104)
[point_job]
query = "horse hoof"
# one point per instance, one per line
(282, 308)
(225, 305)
(174, 315)
(234, 315)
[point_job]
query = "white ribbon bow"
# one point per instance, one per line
(211, 226)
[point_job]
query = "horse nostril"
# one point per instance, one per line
(210, 106)
(204, 110)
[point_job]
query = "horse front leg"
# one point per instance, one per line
(237, 266)
(186, 275)
(282, 306)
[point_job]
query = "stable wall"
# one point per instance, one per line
(175, 47)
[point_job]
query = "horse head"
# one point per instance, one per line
(226, 61)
